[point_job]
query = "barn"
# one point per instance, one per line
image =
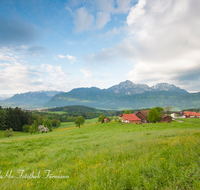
(130, 118)
(166, 119)
(142, 115)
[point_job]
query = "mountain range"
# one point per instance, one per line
(30, 99)
(125, 95)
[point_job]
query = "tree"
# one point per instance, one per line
(54, 121)
(79, 121)
(168, 108)
(101, 118)
(26, 128)
(35, 123)
(127, 112)
(32, 129)
(8, 133)
(42, 129)
(58, 124)
(48, 124)
(2, 119)
(153, 115)
(160, 110)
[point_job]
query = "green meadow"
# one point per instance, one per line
(104, 156)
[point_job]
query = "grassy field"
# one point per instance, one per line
(104, 156)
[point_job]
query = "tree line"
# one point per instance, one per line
(21, 120)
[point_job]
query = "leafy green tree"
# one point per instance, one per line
(8, 133)
(48, 124)
(101, 118)
(32, 129)
(26, 128)
(127, 112)
(35, 123)
(2, 122)
(54, 121)
(79, 121)
(58, 124)
(153, 115)
(160, 110)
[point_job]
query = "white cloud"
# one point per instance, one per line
(86, 72)
(54, 71)
(7, 57)
(61, 56)
(83, 20)
(109, 5)
(67, 8)
(102, 19)
(136, 11)
(70, 57)
(162, 43)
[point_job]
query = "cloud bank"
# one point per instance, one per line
(162, 43)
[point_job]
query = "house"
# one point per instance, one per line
(120, 116)
(177, 115)
(106, 120)
(130, 118)
(142, 115)
(191, 114)
(166, 119)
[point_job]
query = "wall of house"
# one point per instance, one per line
(138, 121)
(167, 119)
(142, 117)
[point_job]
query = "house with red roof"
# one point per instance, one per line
(130, 118)
(191, 114)
(106, 120)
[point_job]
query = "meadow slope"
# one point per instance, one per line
(104, 156)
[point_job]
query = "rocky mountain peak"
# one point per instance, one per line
(165, 86)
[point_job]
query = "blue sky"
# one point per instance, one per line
(61, 45)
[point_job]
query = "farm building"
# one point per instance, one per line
(178, 115)
(120, 116)
(166, 119)
(142, 115)
(130, 118)
(106, 120)
(191, 114)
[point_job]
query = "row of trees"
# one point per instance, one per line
(14, 118)
(20, 120)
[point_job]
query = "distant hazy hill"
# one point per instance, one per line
(126, 95)
(82, 110)
(122, 96)
(31, 98)
(5, 96)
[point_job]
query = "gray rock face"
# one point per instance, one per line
(130, 88)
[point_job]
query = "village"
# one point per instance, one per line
(140, 117)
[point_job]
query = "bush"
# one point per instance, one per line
(48, 124)
(8, 133)
(101, 118)
(58, 124)
(32, 129)
(26, 128)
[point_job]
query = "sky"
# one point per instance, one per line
(65, 44)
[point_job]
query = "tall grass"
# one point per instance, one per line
(106, 156)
